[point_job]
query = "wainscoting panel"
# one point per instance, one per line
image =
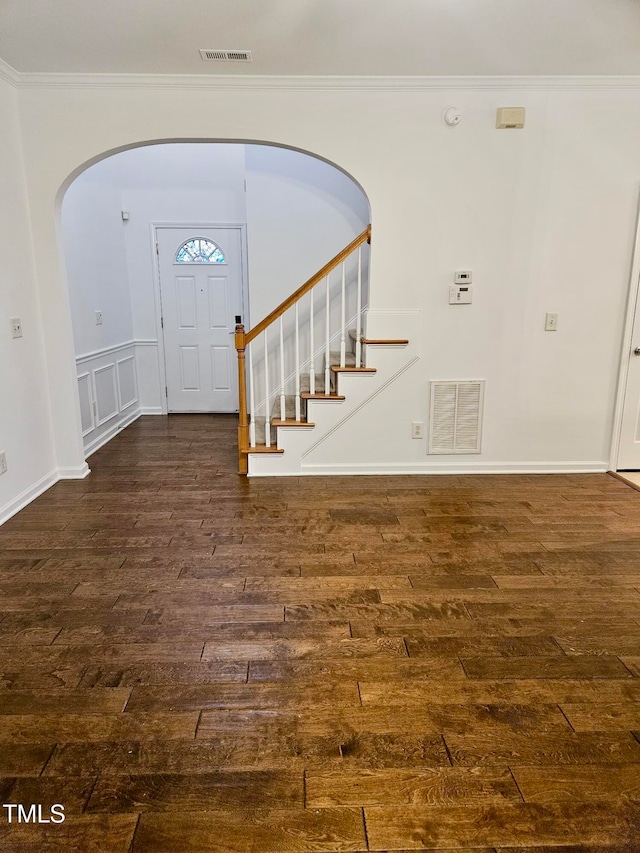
(127, 382)
(108, 392)
(104, 383)
(86, 403)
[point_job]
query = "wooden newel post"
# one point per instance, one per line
(243, 422)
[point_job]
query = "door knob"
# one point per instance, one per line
(636, 351)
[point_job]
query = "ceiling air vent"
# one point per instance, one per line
(226, 55)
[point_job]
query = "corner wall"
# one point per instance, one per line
(25, 424)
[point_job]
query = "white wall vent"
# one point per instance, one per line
(455, 416)
(226, 55)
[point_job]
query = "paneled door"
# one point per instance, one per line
(201, 294)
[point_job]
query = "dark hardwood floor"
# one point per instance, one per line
(192, 662)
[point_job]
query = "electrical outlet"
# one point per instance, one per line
(3, 463)
(16, 327)
(98, 318)
(417, 429)
(551, 323)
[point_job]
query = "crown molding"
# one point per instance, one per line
(8, 73)
(313, 83)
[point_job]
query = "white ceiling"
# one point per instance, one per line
(320, 37)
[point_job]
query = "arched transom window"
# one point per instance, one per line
(199, 250)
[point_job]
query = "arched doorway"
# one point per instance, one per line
(282, 212)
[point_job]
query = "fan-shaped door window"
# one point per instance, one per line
(199, 250)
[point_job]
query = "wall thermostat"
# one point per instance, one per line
(463, 277)
(460, 294)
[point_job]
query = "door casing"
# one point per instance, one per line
(633, 299)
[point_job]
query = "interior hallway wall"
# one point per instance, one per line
(25, 418)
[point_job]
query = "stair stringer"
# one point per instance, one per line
(333, 417)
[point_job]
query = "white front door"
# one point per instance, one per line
(201, 294)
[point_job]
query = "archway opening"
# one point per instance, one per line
(275, 214)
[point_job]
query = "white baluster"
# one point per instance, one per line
(359, 309)
(327, 345)
(298, 417)
(252, 401)
(283, 408)
(267, 414)
(343, 342)
(312, 370)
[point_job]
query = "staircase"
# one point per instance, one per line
(283, 377)
(289, 420)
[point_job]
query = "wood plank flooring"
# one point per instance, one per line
(192, 662)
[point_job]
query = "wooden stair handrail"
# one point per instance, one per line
(307, 286)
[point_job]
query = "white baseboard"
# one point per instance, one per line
(117, 427)
(77, 473)
(30, 494)
(330, 470)
(151, 410)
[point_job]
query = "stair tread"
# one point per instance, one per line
(308, 396)
(386, 341)
(291, 422)
(262, 448)
(337, 369)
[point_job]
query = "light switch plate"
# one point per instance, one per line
(16, 327)
(551, 323)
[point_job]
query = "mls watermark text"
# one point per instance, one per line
(34, 813)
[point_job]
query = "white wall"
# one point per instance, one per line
(25, 425)
(301, 212)
(545, 217)
(173, 184)
(96, 261)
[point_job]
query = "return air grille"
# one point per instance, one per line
(226, 55)
(455, 416)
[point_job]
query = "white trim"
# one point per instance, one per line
(41, 80)
(20, 502)
(101, 369)
(106, 436)
(157, 287)
(106, 351)
(122, 406)
(627, 334)
(87, 375)
(476, 468)
(9, 74)
(151, 410)
(78, 472)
